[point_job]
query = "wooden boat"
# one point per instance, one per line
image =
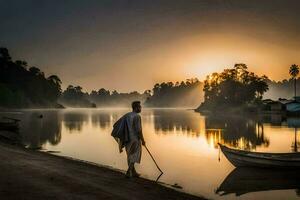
(241, 158)
(243, 180)
(9, 124)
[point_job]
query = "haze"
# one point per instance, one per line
(131, 45)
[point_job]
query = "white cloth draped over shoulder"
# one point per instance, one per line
(134, 146)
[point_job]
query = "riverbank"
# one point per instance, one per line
(207, 109)
(28, 174)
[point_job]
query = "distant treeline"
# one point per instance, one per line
(234, 88)
(24, 86)
(105, 98)
(75, 97)
(281, 89)
(184, 94)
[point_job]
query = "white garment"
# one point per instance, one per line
(134, 146)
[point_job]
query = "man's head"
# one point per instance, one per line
(136, 106)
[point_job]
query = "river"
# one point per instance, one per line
(183, 142)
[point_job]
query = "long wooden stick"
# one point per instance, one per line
(153, 159)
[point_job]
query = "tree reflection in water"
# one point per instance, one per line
(242, 132)
(235, 131)
(102, 120)
(177, 120)
(36, 131)
(294, 122)
(105, 119)
(74, 121)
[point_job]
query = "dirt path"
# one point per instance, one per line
(27, 174)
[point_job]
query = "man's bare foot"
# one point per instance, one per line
(135, 174)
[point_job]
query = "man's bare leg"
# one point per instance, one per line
(129, 172)
(134, 173)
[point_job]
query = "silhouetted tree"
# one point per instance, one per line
(233, 88)
(105, 98)
(74, 97)
(294, 71)
(185, 94)
(35, 71)
(20, 87)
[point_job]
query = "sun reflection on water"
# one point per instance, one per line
(184, 143)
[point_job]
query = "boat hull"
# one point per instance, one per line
(263, 160)
(9, 126)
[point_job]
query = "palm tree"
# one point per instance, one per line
(294, 71)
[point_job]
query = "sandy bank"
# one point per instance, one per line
(28, 174)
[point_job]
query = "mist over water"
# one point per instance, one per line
(89, 60)
(183, 142)
(282, 89)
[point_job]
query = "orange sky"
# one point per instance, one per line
(131, 45)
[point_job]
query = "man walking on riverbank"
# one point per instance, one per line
(128, 132)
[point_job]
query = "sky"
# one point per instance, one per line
(130, 45)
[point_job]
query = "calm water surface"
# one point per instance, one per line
(183, 142)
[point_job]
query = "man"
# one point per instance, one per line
(128, 132)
